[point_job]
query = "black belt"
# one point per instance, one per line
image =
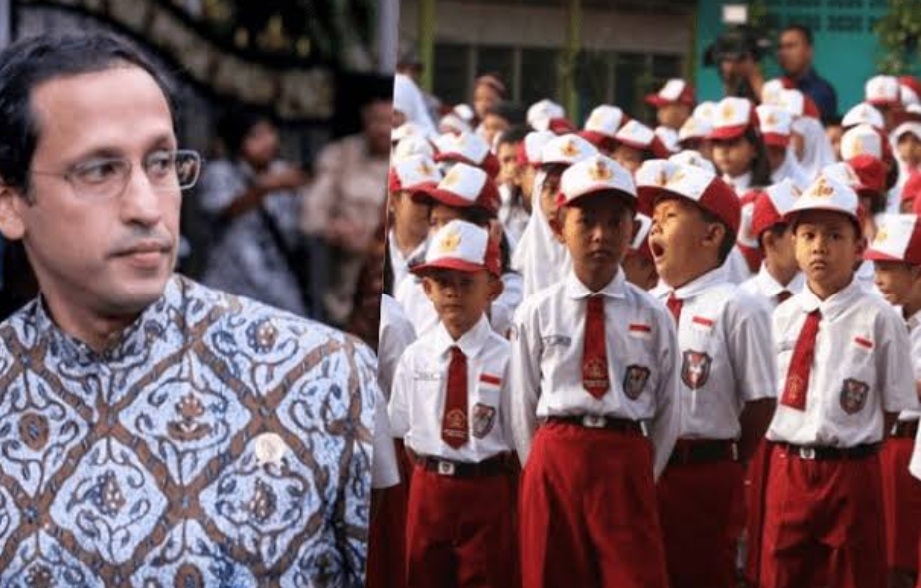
(830, 453)
(494, 466)
(692, 451)
(903, 429)
(590, 421)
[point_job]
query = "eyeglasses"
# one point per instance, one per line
(104, 178)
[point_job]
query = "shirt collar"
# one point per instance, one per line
(913, 321)
(131, 342)
(703, 282)
(834, 304)
(739, 183)
(616, 288)
(471, 342)
(771, 287)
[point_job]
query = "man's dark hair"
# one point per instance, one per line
(802, 29)
(26, 64)
(235, 124)
(515, 134)
(513, 112)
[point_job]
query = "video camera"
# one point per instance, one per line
(736, 42)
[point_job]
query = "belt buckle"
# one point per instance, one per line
(806, 452)
(594, 421)
(446, 468)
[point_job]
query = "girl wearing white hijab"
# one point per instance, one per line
(408, 101)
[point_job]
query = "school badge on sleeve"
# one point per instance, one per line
(484, 417)
(853, 395)
(695, 368)
(635, 380)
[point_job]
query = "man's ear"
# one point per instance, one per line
(12, 204)
(556, 223)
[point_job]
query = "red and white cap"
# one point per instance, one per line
(453, 123)
(675, 91)
(464, 186)
(694, 128)
(882, 91)
(691, 157)
(898, 238)
(733, 116)
(640, 243)
(912, 127)
(797, 103)
(547, 115)
(871, 172)
(863, 139)
(410, 129)
(530, 149)
(770, 91)
(706, 110)
(467, 148)
(415, 172)
(909, 90)
(776, 125)
(461, 246)
(771, 205)
(863, 114)
(465, 111)
(746, 239)
(597, 173)
(566, 150)
(602, 125)
(659, 177)
(827, 193)
(842, 172)
(637, 135)
(412, 145)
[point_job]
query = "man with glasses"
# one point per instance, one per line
(154, 432)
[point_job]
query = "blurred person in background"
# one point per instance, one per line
(795, 54)
(250, 196)
(341, 207)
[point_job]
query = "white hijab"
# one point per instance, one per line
(539, 257)
(817, 149)
(408, 99)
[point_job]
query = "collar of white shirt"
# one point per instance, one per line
(616, 288)
(739, 183)
(834, 304)
(471, 342)
(771, 287)
(699, 284)
(913, 321)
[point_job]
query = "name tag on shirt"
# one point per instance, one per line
(562, 340)
(427, 376)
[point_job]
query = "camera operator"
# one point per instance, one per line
(737, 54)
(794, 54)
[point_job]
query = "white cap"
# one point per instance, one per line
(882, 90)
(566, 149)
(452, 122)
(775, 123)
(732, 117)
(468, 145)
(863, 114)
(827, 193)
(637, 135)
(412, 145)
(465, 186)
(410, 129)
(542, 112)
(706, 110)
(691, 157)
(669, 138)
(911, 126)
(595, 174)
(771, 205)
(793, 101)
(694, 128)
(862, 139)
(605, 120)
(534, 144)
(770, 92)
(898, 238)
(461, 246)
(412, 172)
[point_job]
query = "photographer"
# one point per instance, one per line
(737, 53)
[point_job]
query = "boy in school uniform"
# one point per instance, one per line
(409, 226)
(779, 277)
(844, 372)
(592, 373)
(449, 403)
(896, 255)
(727, 373)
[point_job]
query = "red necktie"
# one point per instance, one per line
(783, 296)
(594, 354)
(454, 429)
(797, 384)
(674, 305)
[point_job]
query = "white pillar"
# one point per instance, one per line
(388, 24)
(6, 28)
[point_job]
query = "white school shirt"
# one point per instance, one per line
(724, 354)
(419, 393)
(395, 333)
(420, 311)
(384, 470)
(400, 264)
(862, 367)
(548, 339)
(740, 183)
(767, 288)
(914, 336)
(737, 270)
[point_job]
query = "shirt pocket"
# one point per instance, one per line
(853, 384)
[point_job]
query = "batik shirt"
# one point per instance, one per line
(219, 442)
